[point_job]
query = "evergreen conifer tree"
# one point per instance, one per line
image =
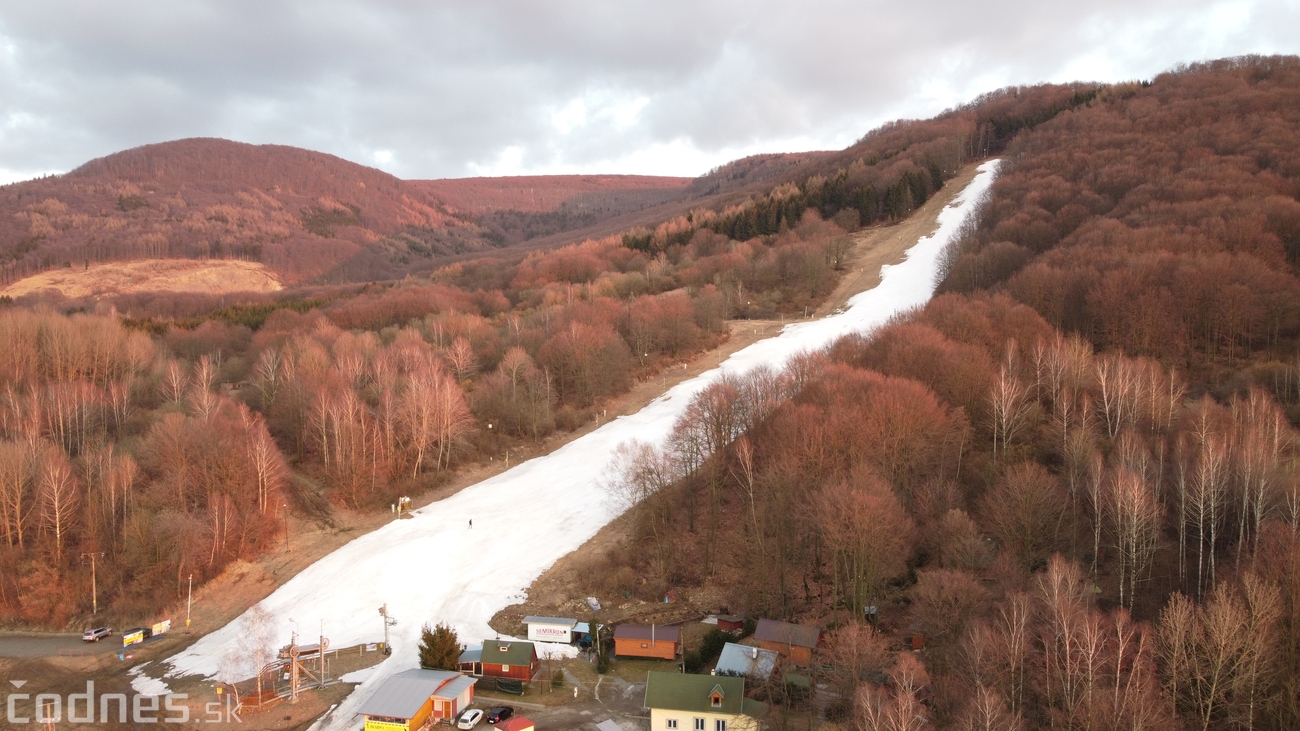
(439, 648)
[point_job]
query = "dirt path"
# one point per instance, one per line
(877, 246)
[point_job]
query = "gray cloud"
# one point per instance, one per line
(459, 88)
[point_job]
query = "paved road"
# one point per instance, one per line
(44, 645)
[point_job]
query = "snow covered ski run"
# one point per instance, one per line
(432, 568)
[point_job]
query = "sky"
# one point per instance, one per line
(432, 89)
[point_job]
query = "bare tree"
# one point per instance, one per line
(636, 480)
(264, 457)
(1135, 518)
(59, 496)
(1009, 404)
(856, 652)
(868, 533)
(987, 711)
(461, 357)
(1218, 657)
(1262, 437)
(175, 381)
(202, 399)
(16, 500)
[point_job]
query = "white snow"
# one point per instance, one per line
(145, 685)
(434, 568)
(358, 676)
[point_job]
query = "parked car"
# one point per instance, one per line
(499, 714)
(96, 634)
(470, 718)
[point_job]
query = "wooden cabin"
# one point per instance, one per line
(647, 640)
(513, 659)
(795, 642)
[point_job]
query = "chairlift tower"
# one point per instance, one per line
(388, 622)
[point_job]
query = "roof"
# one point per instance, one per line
(514, 653)
(455, 687)
(471, 654)
(402, 695)
(515, 723)
(679, 692)
(566, 621)
(754, 662)
(666, 633)
(770, 630)
(608, 725)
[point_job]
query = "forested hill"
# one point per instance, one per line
(307, 215)
(1162, 220)
(315, 218)
(1072, 480)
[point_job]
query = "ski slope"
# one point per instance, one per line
(434, 568)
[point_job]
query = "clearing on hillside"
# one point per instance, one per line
(205, 276)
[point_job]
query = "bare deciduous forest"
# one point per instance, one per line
(1072, 474)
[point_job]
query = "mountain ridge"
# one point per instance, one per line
(308, 215)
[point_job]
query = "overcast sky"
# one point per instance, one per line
(428, 89)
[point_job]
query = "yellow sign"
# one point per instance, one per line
(385, 726)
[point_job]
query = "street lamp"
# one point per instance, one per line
(189, 601)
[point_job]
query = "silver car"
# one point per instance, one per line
(96, 634)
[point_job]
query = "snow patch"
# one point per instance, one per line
(145, 685)
(433, 568)
(358, 676)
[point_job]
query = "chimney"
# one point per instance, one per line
(652, 634)
(754, 653)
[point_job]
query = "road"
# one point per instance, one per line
(45, 645)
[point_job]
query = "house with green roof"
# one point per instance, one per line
(506, 659)
(700, 703)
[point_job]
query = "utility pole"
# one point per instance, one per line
(322, 646)
(285, 510)
(293, 668)
(388, 621)
(189, 601)
(94, 590)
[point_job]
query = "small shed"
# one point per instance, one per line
(512, 659)
(795, 642)
(730, 623)
(516, 723)
(752, 662)
(647, 640)
(551, 629)
(409, 699)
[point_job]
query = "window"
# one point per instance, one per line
(719, 725)
(644, 645)
(672, 723)
(715, 700)
(699, 724)
(505, 668)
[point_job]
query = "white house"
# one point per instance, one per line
(550, 629)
